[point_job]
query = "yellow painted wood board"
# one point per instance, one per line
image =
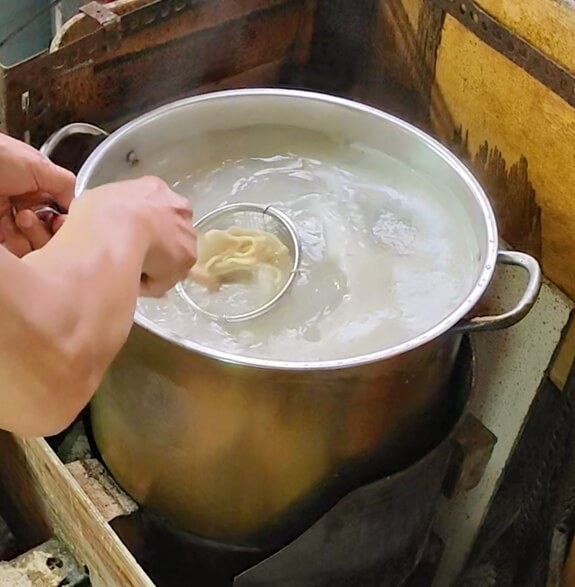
(510, 116)
(549, 25)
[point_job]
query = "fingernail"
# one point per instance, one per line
(25, 221)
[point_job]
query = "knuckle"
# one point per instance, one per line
(155, 183)
(40, 162)
(42, 159)
(153, 289)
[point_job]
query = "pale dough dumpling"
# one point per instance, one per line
(234, 253)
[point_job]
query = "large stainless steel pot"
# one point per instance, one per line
(239, 449)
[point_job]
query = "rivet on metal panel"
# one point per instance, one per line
(149, 14)
(149, 19)
(474, 445)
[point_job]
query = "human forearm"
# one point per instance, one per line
(66, 309)
(70, 308)
(99, 271)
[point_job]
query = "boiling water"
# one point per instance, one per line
(386, 253)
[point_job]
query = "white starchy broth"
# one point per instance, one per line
(386, 253)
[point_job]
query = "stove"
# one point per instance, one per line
(394, 513)
(490, 504)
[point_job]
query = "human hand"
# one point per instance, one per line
(28, 180)
(22, 231)
(161, 219)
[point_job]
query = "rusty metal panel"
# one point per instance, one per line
(152, 55)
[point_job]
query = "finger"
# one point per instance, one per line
(201, 276)
(30, 200)
(58, 222)
(2, 228)
(152, 288)
(181, 203)
(32, 228)
(187, 209)
(55, 180)
(14, 240)
(160, 285)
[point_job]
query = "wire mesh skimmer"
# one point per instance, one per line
(247, 216)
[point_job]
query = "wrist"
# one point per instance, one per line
(121, 227)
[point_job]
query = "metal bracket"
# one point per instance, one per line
(107, 19)
(544, 69)
(474, 445)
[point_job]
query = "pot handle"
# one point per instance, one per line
(76, 128)
(524, 305)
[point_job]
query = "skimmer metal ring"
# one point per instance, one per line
(259, 217)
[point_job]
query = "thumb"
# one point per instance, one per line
(57, 223)
(55, 180)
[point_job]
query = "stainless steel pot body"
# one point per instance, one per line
(244, 455)
(240, 449)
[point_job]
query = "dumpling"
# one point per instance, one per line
(236, 253)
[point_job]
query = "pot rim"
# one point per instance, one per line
(442, 327)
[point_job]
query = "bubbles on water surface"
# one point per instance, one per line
(385, 253)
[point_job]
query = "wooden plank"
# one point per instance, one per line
(564, 356)
(400, 73)
(397, 39)
(48, 565)
(516, 134)
(341, 45)
(8, 544)
(515, 48)
(156, 64)
(395, 58)
(21, 503)
(150, 78)
(102, 490)
(207, 14)
(80, 25)
(569, 572)
(300, 51)
(264, 75)
(32, 469)
(259, 76)
(547, 24)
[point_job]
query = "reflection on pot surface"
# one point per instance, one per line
(227, 451)
(245, 433)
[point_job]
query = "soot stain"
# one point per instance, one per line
(509, 189)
